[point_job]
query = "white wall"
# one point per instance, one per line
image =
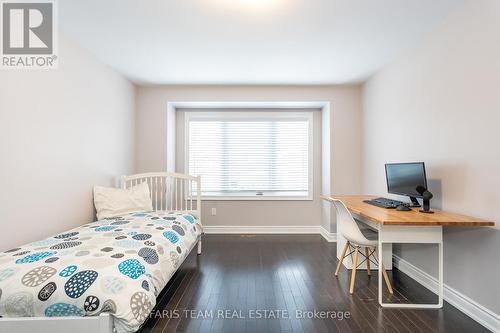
(440, 103)
(62, 131)
(151, 148)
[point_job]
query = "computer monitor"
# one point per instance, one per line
(404, 178)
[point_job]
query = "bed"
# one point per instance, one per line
(103, 276)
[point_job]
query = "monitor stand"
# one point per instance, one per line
(414, 202)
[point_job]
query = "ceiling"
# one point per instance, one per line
(249, 41)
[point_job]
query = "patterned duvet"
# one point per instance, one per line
(115, 265)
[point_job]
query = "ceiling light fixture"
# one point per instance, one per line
(250, 4)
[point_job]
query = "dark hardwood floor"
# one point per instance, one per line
(236, 275)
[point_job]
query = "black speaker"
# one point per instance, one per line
(427, 196)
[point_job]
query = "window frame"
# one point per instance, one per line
(255, 115)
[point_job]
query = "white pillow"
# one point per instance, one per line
(111, 202)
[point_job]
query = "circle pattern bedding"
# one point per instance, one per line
(116, 265)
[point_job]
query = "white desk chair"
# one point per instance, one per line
(356, 240)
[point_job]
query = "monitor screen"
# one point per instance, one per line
(403, 178)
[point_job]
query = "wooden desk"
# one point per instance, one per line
(357, 207)
(406, 227)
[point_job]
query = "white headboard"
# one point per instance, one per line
(170, 191)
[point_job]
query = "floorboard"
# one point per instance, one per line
(274, 276)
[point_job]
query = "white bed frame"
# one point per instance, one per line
(173, 192)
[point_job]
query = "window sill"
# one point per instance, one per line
(256, 198)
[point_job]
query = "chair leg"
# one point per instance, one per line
(354, 266)
(384, 273)
(367, 256)
(346, 246)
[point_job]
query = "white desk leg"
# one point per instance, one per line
(380, 261)
(412, 234)
(441, 279)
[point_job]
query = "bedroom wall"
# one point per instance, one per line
(151, 144)
(440, 104)
(63, 131)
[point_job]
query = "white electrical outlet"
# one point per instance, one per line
(214, 211)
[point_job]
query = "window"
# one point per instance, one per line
(251, 155)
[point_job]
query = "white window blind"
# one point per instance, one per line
(250, 154)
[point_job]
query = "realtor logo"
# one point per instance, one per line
(28, 34)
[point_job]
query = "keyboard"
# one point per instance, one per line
(385, 203)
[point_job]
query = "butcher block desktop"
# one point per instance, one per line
(361, 209)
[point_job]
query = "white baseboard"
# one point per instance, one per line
(328, 236)
(471, 308)
(296, 229)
